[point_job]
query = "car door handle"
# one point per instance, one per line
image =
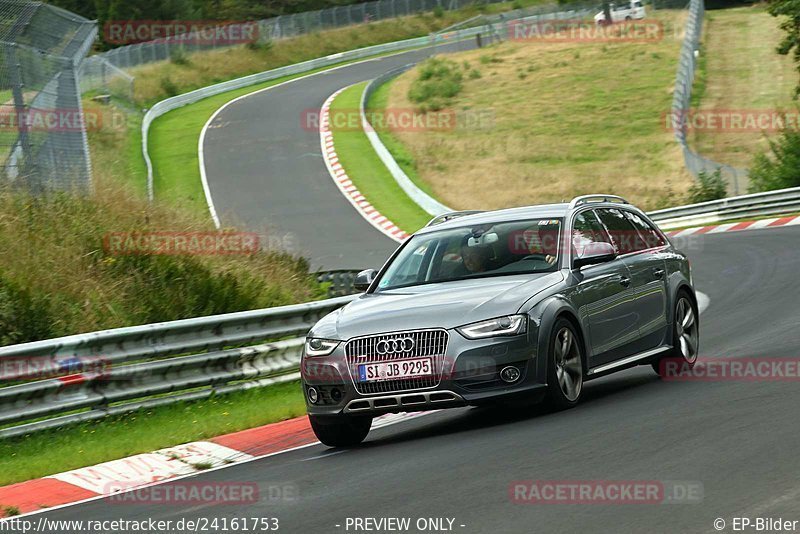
(658, 273)
(624, 281)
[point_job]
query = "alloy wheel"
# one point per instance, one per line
(569, 369)
(686, 329)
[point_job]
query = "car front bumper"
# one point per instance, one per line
(470, 375)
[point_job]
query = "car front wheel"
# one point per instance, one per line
(565, 366)
(343, 431)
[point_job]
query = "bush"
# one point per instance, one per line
(178, 57)
(168, 86)
(438, 12)
(23, 317)
(708, 187)
(668, 198)
(167, 288)
(259, 45)
(779, 167)
(58, 276)
(438, 81)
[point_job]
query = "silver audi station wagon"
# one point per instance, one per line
(521, 303)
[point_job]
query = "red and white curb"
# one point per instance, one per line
(130, 474)
(737, 227)
(345, 184)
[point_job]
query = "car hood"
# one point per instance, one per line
(441, 305)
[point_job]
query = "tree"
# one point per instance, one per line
(779, 167)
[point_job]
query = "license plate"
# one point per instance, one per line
(373, 372)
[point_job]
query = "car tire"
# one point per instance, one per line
(342, 431)
(564, 366)
(685, 336)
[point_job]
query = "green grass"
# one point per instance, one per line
(377, 103)
(116, 146)
(58, 278)
(368, 173)
(86, 444)
(543, 122)
(174, 138)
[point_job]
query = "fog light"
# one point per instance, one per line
(313, 395)
(336, 394)
(509, 374)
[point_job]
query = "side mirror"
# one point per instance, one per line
(593, 253)
(364, 279)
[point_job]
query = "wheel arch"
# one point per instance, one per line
(552, 310)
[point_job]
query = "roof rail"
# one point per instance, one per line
(585, 199)
(444, 217)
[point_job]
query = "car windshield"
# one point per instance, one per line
(508, 248)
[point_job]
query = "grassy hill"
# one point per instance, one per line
(568, 118)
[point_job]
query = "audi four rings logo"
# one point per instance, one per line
(394, 345)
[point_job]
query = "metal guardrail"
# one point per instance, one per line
(341, 282)
(782, 201)
(116, 371)
(420, 197)
(104, 373)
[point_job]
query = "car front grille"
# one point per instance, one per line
(426, 343)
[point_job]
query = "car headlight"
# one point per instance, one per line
(510, 325)
(320, 347)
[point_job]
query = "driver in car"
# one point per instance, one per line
(476, 258)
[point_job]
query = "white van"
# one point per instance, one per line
(619, 12)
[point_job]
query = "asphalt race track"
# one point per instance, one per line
(265, 170)
(738, 439)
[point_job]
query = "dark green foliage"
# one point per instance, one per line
(709, 186)
(23, 317)
(438, 81)
(779, 167)
(789, 13)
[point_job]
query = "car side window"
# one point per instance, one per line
(623, 234)
(650, 236)
(586, 229)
